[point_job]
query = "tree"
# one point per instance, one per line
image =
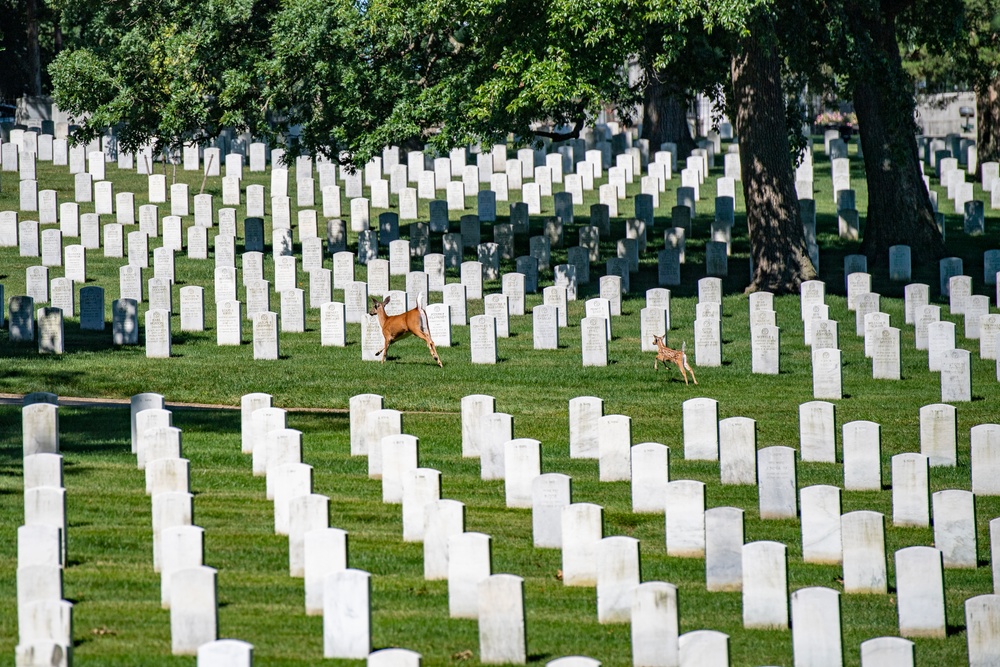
(355, 77)
(455, 73)
(963, 57)
(863, 49)
(777, 243)
(671, 76)
(162, 75)
(29, 36)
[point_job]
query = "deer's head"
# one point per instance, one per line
(378, 306)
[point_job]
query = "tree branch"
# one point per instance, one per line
(563, 136)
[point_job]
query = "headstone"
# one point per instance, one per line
(821, 524)
(483, 339)
(650, 474)
(863, 538)
(982, 621)
(701, 431)
(816, 627)
(501, 620)
(885, 352)
(347, 614)
(306, 513)
(397, 454)
(920, 592)
(617, 578)
(443, 519)
(703, 648)
(549, 494)
(776, 483)
(955, 528)
(827, 374)
(765, 585)
(685, 519)
(737, 450)
(594, 341)
(50, 331)
(265, 335)
(655, 623)
(469, 563)
(522, 463)
(956, 376)
(582, 532)
(380, 424)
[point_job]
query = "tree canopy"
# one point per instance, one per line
(347, 77)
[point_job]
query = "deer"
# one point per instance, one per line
(668, 355)
(394, 327)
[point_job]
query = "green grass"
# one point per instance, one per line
(116, 593)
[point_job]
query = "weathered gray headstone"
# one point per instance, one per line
(827, 374)
(501, 620)
(723, 549)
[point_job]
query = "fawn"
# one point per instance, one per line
(667, 355)
(394, 327)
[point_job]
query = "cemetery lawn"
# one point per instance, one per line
(110, 579)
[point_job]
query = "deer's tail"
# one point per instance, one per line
(424, 324)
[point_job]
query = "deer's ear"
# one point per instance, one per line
(374, 299)
(385, 300)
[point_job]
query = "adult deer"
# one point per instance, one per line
(394, 327)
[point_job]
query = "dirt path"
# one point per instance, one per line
(80, 402)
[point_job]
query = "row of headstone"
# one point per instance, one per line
(45, 618)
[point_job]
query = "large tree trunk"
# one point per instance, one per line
(664, 115)
(34, 51)
(777, 242)
(987, 123)
(899, 208)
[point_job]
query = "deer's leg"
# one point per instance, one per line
(385, 350)
(692, 374)
(430, 346)
(683, 374)
(656, 363)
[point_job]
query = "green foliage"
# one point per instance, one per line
(159, 73)
(960, 50)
